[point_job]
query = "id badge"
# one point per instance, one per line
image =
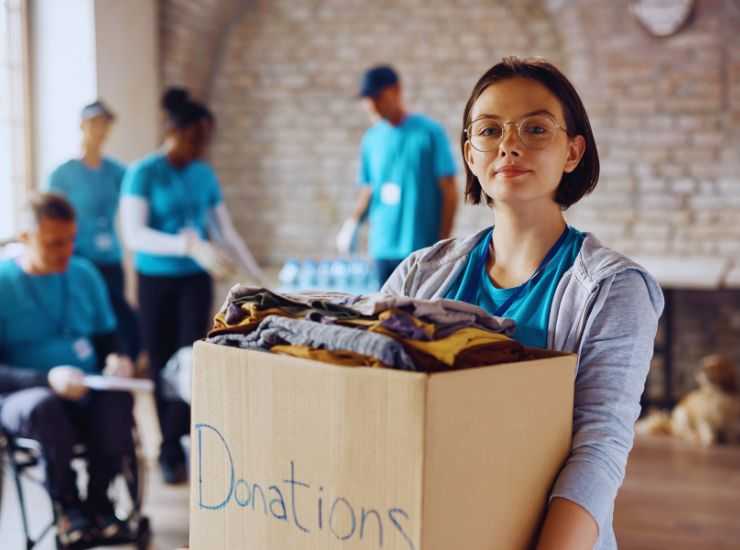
(83, 349)
(104, 241)
(390, 193)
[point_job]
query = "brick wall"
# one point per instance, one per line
(192, 34)
(289, 126)
(666, 114)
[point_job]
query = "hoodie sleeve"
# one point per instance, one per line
(614, 359)
(397, 283)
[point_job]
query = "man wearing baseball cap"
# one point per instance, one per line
(92, 184)
(406, 177)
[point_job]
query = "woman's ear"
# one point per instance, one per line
(468, 154)
(576, 149)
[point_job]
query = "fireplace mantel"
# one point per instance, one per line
(692, 272)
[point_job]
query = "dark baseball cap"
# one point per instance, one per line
(96, 108)
(376, 79)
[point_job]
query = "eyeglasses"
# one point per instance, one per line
(535, 132)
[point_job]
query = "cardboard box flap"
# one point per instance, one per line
(495, 440)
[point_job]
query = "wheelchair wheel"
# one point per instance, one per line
(144, 535)
(2, 469)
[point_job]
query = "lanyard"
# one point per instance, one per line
(393, 168)
(61, 329)
(474, 284)
(101, 198)
(188, 206)
(398, 157)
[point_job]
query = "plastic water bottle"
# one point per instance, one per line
(323, 275)
(308, 276)
(373, 285)
(359, 276)
(288, 276)
(340, 275)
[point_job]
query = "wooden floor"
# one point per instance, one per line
(166, 506)
(679, 497)
(675, 497)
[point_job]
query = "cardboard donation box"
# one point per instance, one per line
(293, 454)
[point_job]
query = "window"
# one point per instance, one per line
(14, 119)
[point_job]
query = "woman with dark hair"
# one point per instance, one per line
(530, 153)
(172, 213)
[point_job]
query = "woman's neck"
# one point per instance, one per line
(174, 155)
(522, 238)
(398, 117)
(92, 156)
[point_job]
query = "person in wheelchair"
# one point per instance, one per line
(56, 325)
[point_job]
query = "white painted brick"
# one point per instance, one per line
(283, 95)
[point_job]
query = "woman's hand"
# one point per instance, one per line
(208, 256)
(118, 365)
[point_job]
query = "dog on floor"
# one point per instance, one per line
(707, 415)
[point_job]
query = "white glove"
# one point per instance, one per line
(347, 236)
(209, 257)
(67, 382)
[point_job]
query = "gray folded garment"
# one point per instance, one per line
(447, 315)
(274, 330)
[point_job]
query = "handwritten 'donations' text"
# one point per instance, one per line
(308, 507)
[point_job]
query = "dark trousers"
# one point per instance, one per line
(103, 421)
(127, 331)
(384, 268)
(174, 312)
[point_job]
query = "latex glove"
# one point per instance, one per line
(118, 365)
(68, 382)
(209, 257)
(347, 236)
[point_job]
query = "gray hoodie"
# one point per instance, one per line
(605, 309)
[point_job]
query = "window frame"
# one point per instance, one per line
(16, 64)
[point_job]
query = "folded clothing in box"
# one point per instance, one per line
(376, 330)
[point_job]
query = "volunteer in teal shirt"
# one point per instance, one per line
(56, 326)
(93, 190)
(47, 320)
(406, 174)
(168, 201)
(402, 165)
(92, 183)
(179, 200)
(528, 303)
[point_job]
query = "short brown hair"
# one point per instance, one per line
(574, 185)
(50, 206)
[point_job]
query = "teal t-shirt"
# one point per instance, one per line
(94, 194)
(530, 306)
(178, 199)
(49, 320)
(403, 165)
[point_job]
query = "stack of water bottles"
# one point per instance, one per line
(351, 275)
